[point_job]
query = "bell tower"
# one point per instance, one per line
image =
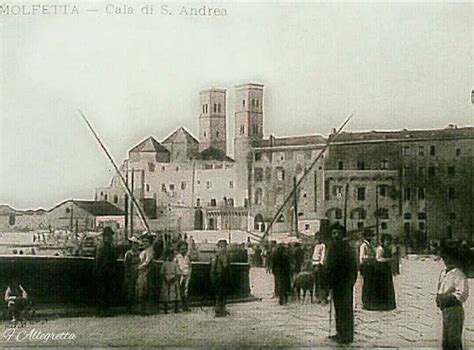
(248, 118)
(212, 120)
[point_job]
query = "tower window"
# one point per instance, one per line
(219, 107)
(243, 103)
(203, 109)
(205, 134)
(206, 107)
(432, 150)
(257, 103)
(253, 102)
(217, 134)
(215, 107)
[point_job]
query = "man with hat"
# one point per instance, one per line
(453, 291)
(342, 274)
(105, 261)
(220, 277)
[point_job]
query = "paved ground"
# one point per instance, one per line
(415, 322)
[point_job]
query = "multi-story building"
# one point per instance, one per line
(395, 182)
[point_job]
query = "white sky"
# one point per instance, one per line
(397, 66)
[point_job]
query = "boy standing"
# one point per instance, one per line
(453, 290)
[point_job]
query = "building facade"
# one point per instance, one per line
(397, 182)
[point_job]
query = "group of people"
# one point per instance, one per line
(362, 275)
(175, 273)
(137, 285)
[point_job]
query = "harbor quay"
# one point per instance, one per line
(416, 322)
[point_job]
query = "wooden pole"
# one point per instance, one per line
(346, 195)
(131, 207)
(295, 206)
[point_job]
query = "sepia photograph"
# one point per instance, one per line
(236, 174)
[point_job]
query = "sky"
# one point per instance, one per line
(395, 65)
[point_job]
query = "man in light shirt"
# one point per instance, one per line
(319, 268)
(452, 292)
(184, 264)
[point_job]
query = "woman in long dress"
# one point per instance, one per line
(130, 262)
(384, 292)
(143, 283)
(170, 277)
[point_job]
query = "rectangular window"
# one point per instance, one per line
(384, 226)
(431, 171)
(406, 194)
(421, 226)
(452, 216)
(360, 165)
(183, 185)
(451, 193)
(198, 202)
(383, 164)
(258, 174)
(230, 202)
(421, 193)
(406, 151)
(432, 150)
(213, 202)
(421, 171)
(406, 171)
(258, 156)
(383, 190)
(171, 187)
(208, 184)
(337, 191)
(340, 165)
(458, 151)
(151, 167)
(406, 227)
(360, 224)
(421, 215)
(451, 170)
(280, 174)
(407, 216)
(421, 150)
(361, 193)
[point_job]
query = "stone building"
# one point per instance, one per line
(434, 173)
(397, 182)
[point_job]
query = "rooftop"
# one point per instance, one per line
(149, 145)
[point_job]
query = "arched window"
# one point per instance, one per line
(258, 196)
(219, 107)
(215, 107)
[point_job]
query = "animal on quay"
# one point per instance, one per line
(304, 281)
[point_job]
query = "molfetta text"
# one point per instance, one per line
(110, 8)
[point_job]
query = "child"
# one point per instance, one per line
(453, 291)
(170, 277)
(16, 298)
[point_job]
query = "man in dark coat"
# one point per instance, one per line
(282, 273)
(342, 274)
(105, 262)
(220, 278)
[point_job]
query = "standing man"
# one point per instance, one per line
(453, 291)
(220, 278)
(282, 273)
(364, 286)
(184, 264)
(342, 273)
(319, 267)
(105, 261)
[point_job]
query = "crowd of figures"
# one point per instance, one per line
(177, 253)
(360, 273)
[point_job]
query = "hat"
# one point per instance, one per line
(222, 241)
(107, 231)
(134, 239)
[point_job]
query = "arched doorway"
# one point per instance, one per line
(198, 220)
(258, 223)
